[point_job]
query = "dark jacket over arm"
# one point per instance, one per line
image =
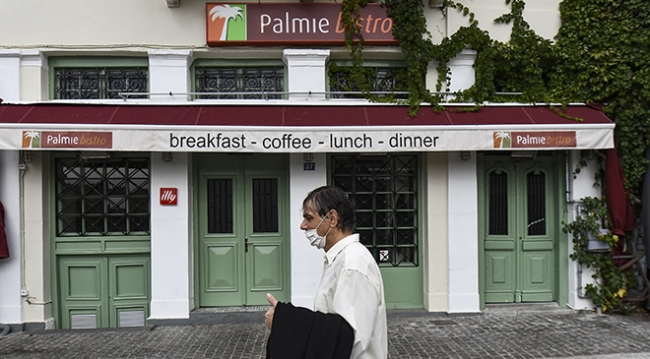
(300, 333)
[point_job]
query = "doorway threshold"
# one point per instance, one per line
(228, 315)
(526, 308)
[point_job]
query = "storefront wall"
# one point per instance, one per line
(306, 261)
(579, 186)
(11, 268)
(176, 37)
(171, 239)
(462, 243)
(435, 244)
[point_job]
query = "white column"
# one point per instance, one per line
(462, 70)
(436, 234)
(33, 72)
(579, 187)
(463, 234)
(37, 267)
(171, 239)
(10, 268)
(306, 261)
(169, 73)
(306, 72)
(10, 75)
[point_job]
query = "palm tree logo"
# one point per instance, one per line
(221, 16)
(501, 139)
(28, 139)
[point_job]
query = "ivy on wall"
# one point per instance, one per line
(600, 54)
(612, 280)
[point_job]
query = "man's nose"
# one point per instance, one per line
(303, 225)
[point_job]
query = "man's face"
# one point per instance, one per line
(311, 219)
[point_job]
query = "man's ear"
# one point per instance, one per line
(334, 217)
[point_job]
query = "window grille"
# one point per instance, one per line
(265, 205)
(536, 203)
(220, 208)
(383, 189)
(99, 199)
(498, 203)
(84, 83)
(261, 81)
(385, 80)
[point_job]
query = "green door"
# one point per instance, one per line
(519, 230)
(102, 291)
(243, 229)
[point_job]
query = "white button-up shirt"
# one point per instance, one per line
(352, 287)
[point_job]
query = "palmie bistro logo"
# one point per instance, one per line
(501, 139)
(31, 139)
(228, 22)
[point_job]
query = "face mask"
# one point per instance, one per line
(313, 237)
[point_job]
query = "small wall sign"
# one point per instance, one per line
(309, 166)
(168, 196)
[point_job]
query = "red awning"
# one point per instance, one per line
(331, 127)
(291, 115)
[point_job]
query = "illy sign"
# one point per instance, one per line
(168, 196)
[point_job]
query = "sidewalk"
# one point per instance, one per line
(498, 332)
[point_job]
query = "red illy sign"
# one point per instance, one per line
(291, 23)
(168, 196)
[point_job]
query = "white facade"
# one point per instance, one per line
(171, 39)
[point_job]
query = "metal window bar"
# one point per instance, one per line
(498, 203)
(220, 206)
(383, 82)
(265, 205)
(383, 189)
(127, 95)
(265, 82)
(100, 199)
(536, 203)
(84, 83)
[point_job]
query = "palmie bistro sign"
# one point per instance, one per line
(231, 24)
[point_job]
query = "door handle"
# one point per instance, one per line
(246, 244)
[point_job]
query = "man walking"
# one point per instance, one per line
(351, 285)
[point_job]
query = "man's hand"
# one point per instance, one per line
(268, 317)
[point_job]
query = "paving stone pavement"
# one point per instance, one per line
(559, 333)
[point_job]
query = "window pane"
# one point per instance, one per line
(383, 190)
(77, 84)
(381, 80)
(498, 206)
(125, 80)
(220, 206)
(265, 205)
(97, 199)
(80, 83)
(261, 81)
(536, 196)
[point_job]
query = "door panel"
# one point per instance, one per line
(243, 229)
(221, 267)
(519, 257)
(265, 260)
(82, 292)
(266, 267)
(100, 291)
(128, 279)
(221, 273)
(500, 275)
(221, 254)
(500, 243)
